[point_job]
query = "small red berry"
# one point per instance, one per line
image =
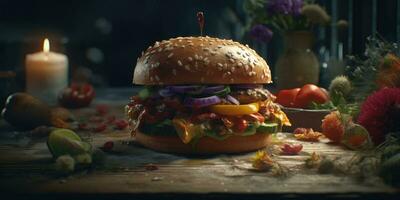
(111, 119)
(83, 126)
(100, 127)
(102, 109)
(120, 124)
(108, 146)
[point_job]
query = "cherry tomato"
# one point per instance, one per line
(240, 125)
(310, 93)
(287, 97)
(77, 95)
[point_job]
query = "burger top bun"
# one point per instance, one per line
(200, 60)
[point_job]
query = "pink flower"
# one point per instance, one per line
(380, 113)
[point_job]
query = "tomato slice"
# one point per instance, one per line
(245, 109)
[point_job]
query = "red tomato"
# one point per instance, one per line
(240, 125)
(286, 97)
(310, 93)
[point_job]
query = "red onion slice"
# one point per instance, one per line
(183, 88)
(165, 93)
(232, 99)
(213, 89)
(201, 102)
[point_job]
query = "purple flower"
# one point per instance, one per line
(284, 7)
(296, 7)
(261, 33)
(279, 7)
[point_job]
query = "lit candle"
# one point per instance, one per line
(46, 73)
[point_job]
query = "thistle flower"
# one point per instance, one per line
(65, 164)
(389, 71)
(380, 113)
(340, 85)
(315, 14)
(342, 24)
(283, 7)
(297, 7)
(261, 33)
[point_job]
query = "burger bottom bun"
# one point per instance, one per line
(206, 145)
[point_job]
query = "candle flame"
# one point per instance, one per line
(46, 45)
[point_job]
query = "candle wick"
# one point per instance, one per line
(200, 20)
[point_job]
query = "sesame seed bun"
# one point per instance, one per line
(205, 145)
(200, 60)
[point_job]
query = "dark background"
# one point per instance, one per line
(107, 36)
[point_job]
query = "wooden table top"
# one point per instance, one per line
(27, 168)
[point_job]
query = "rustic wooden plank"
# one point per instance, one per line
(26, 167)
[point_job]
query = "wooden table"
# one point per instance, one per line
(26, 170)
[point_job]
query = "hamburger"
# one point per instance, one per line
(203, 95)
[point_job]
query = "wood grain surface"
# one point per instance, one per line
(27, 168)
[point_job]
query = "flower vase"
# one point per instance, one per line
(298, 65)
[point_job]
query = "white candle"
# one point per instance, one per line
(46, 73)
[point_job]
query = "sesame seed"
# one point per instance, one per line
(179, 63)
(239, 64)
(159, 49)
(190, 59)
(231, 60)
(229, 73)
(187, 67)
(196, 57)
(246, 67)
(157, 78)
(219, 65)
(232, 69)
(170, 55)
